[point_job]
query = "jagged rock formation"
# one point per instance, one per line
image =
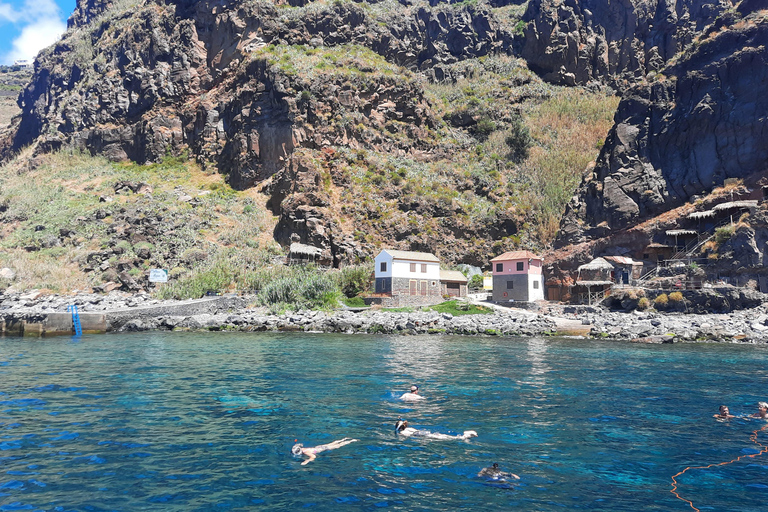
(242, 85)
(577, 41)
(704, 120)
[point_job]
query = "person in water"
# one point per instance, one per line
(494, 473)
(724, 413)
(762, 411)
(412, 395)
(312, 451)
(402, 428)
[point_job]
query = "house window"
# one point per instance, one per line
(413, 267)
(535, 285)
(434, 283)
(510, 285)
(423, 268)
(519, 266)
(383, 266)
(499, 267)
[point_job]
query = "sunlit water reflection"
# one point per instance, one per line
(182, 421)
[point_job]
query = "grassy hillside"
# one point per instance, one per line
(495, 173)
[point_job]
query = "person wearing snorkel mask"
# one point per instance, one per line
(402, 428)
(312, 451)
(495, 473)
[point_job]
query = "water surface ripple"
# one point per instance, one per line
(191, 421)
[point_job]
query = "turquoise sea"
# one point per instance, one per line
(199, 422)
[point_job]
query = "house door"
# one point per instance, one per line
(424, 287)
(413, 287)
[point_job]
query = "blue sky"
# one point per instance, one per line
(28, 26)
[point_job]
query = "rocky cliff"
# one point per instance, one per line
(241, 86)
(578, 41)
(682, 133)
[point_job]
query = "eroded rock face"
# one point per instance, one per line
(576, 41)
(144, 82)
(705, 121)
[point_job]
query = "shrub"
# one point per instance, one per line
(518, 140)
(354, 302)
(302, 288)
(661, 301)
(723, 234)
(643, 304)
(484, 127)
(354, 280)
(676, 297)
(476, 281)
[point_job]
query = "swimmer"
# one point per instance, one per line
(494, 473)
(402, 428)
(724, 413)
(412, 395)
(312, 451)
(762, 411)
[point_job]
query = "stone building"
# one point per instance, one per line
(453, 283)
(517, 276)
(407, 278)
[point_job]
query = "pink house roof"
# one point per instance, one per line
(516, 255)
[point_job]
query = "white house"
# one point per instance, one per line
(409, 278)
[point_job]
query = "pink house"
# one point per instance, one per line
(517, 276)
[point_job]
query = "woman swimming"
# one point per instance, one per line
(312, 451)
(402, 428)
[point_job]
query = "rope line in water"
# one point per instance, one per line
(752, 437)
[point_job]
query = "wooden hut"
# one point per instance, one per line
(594, 279)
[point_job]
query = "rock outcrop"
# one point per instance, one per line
(578, 41)
(252, 89)
(703, 120)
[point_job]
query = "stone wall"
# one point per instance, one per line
(519, 291)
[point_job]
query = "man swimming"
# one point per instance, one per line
(312, 451)
(724, 413)
(402, 428)
(412, 395)
(762, 411)
(494, 473)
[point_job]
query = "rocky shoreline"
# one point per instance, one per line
(140, 312)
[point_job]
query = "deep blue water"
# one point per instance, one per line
(182, 421)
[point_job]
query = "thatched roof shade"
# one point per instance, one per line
(735, 205)
(681, 232)
(701, 215)
(596, 264)
(311, 251)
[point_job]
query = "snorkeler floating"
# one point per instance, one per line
(412, 395)
(312, 451)
(402, 428)
(494, 473)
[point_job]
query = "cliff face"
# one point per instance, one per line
(259, 91)
(141, 83)
(577, 41)
(702, 121)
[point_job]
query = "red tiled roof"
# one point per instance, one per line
(517, 255)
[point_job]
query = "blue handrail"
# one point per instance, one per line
(75, 320)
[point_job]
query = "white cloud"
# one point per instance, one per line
(41, 23)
